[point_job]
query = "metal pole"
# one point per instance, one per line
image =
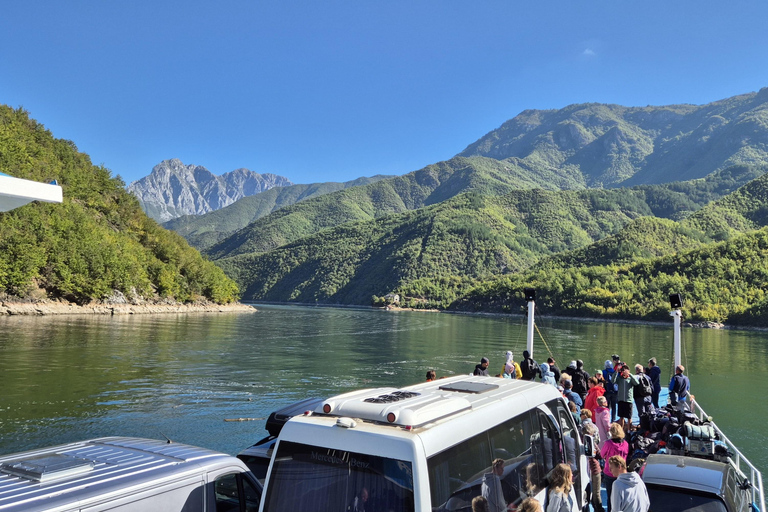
(531, 305)
(678, 316)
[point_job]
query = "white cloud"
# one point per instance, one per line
(589, 52)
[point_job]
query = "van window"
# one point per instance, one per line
(456, 474)
(569, 433)
(320, 479)
(233, 493)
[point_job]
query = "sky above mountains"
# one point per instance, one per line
(334, 90)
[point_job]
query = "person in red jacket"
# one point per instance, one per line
(594, 390)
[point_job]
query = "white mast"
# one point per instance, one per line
(676, 301)
(530, 297)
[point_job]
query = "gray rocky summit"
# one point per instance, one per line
(173, 189)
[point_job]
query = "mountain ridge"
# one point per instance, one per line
(174, 189)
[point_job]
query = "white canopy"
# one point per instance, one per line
(15, 192)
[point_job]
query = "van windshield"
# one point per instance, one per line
(308, 477)
(667, 499)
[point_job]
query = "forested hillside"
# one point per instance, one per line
(202, 231)
(98, 240)
(432, 253)
(431, 185)
(628, 275)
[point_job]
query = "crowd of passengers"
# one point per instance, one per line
(602, 405)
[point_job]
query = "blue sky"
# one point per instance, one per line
(333, 90)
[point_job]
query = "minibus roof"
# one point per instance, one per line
(58, 475)
(430, 403)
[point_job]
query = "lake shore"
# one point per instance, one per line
(50, 307)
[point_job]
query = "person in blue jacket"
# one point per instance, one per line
(679, 388)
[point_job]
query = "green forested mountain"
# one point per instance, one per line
(427, 186)
(579, 146)
(628, 275)
(612, 145)
(202, 231)
(98, 240)
(432, 252)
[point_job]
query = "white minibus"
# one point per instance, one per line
(426, 447)
(125, 474)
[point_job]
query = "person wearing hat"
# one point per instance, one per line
(511, 369)
(679, 388)
(482, 368)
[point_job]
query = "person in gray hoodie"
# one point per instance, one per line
(629, 493)
(547, 375)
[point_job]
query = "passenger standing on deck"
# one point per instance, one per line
(654, 373)
(616, 445)
(431, 375)
(547, 377)
(580, 379)
(529, 367)
(570, 395)
(643, 392)
(482, 368)
(626, 384)
(602, 419)
(610, 388)
(680, 386)
(559, 496)
(553, 368)
(629, 493)
(491, 488)
(511, 368)
(593, 393)
(570, 370)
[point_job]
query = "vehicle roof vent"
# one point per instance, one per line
(395, 396)
(469, 387)
(47, 468)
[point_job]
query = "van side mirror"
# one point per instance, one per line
(590, 448)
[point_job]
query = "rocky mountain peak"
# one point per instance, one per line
(174, 189)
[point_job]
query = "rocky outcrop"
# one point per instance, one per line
(49, 307)
(173, 189)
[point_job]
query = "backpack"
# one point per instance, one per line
(645, 388)
(529, 368)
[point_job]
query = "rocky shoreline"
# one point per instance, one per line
(49, 307)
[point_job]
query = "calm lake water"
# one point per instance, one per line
(180, 376)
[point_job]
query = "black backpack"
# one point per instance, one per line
(645, 388)
(529, 368)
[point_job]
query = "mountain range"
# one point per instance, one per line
(173, 189)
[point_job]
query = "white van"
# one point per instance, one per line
(425, 447)
(124, 474)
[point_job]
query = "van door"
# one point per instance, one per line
(233, 491)
(570, 446)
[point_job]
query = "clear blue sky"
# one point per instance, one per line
(332, 90)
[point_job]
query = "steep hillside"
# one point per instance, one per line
(721, 282)
(202, 231)
(427, 186)
(98, 241)
(468, 237)
(612, 145)
(173, 189)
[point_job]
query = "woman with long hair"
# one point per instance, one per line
(559, 497)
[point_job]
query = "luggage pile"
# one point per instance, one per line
(675, 432)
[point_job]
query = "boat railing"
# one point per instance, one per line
(737, 459)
